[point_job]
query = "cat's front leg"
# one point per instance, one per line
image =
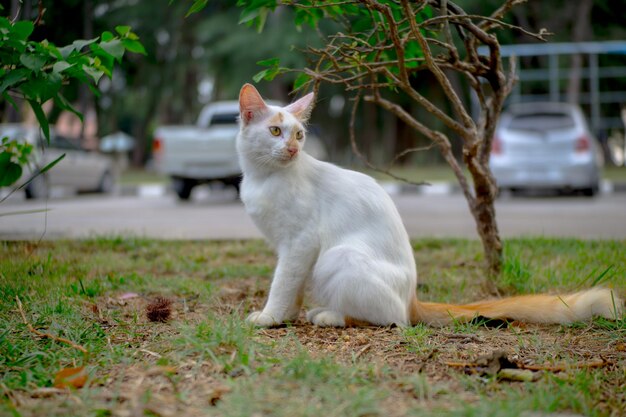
(285, 296)
(261, 319)
(294, 311)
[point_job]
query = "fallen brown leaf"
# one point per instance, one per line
(70, 378)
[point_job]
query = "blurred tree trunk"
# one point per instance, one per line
(142, 126)
(405, 138)
(370, 131)
(85, 98)
(582, 31)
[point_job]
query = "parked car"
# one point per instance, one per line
(80, 170)
(205, 152)
(545, 146)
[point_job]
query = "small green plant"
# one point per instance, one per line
(418, 338)
(13, 157)
(515, 274)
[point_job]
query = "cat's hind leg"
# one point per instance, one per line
(351, 286)
(326, 318)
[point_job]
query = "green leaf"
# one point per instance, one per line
(77, 45)
(35, 175)
(267, 74)
(13, 77)
(106, 36)
(32, 61)
(122, 30)
(261, 20)
(95, 74)
(5, 23)
(41, 118)
(134, 46)
(62, 102)
(22, 29)
(9, 170)
(102, 61)
(271, 62)
(51, 164)
(114, 48)
(131, 35)
(66, 51)
(51, 49)
(260, 75)
(248, 15)
(42, 89)
(301, 80)
(81, 43)
(196, 7)
(309, 16)
(10, 100)
(60, 66)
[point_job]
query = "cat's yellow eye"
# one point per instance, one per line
(299, 135)
(275, 130)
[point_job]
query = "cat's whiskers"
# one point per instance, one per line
(264, 160)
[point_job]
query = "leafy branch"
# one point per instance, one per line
(37, 71)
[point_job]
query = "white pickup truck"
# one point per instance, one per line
(206, 152)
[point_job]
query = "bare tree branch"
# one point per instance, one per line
(357, 151)
(401, 44)
(437, 137)
(495, 23)
(441, 77)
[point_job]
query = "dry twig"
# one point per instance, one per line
(47, 335)
(564, 367)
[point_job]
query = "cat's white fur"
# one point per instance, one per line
(338, 235)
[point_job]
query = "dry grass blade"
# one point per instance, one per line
(564, 367)
(47, 335)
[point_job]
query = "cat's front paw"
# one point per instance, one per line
(261, 319)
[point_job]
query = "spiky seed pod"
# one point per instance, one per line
(159, 310)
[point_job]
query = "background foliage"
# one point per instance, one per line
(209, 55)
(35, 72)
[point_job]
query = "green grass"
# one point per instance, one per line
(140, 176)
(206, 360)
(614, 173)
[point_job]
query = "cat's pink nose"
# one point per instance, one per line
(292, 150)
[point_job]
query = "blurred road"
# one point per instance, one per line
(220, 216)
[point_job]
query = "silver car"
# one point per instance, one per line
(545, 146)
(79, 170)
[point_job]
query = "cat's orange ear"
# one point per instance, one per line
(302, 108)
(251, 103)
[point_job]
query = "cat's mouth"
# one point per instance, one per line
(288, 157)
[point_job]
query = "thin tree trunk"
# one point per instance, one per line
(581, 31)
(483, 210)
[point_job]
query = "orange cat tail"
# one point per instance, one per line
(526, 308)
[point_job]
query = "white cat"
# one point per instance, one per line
(340, 239)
